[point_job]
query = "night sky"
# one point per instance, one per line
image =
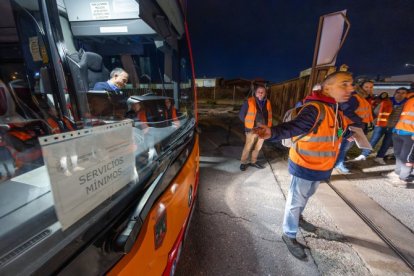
(275, 40)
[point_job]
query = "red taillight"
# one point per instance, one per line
(174, 255)
(175, 252)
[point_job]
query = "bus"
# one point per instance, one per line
(95, 181)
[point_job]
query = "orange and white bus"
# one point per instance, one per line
(99, 155)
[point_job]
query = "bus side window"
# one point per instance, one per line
(86, 68)
(24, 100)
(8, 112)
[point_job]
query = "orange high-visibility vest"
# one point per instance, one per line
(252, 110)
(384, 113)
(406, 121)
(142, 117)
(53, 125)
(364, 110)
(21, 135)
(68, 123)
(173, 114)
(318, 151)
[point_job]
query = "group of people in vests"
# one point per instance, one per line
(313, 157)
(391, 121)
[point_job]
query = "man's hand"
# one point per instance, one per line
(264, 132)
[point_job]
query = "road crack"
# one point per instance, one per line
(223, 213)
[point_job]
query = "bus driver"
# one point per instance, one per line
(118, 80)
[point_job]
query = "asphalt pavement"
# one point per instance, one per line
(236, 226)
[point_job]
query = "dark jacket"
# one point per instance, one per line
(104, 85)
(349, 108)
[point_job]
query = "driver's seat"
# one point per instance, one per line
(87, 69)
(8, 112)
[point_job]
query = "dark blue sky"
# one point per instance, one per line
(274, 39)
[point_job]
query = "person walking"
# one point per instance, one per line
(254, 112)
(403, 140)
(388, 114)
(359, 111)
(311, 158)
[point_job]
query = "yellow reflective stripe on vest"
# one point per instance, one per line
(269, 114)
(321, 139)
(409, 113)
(317, 153)
(362, 108)
(364, 115)
(407, 122)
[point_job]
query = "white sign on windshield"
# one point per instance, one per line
(100, 10)
(88, 166)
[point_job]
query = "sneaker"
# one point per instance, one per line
(341, 167)
(409, 179)
(243, 167)
(256, 165)
(295, 248)
(391, 175)
(390, 151)
(389, 157)
(360, 158)
(399, 183)
(380, 161)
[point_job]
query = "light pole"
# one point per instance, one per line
(409, 65)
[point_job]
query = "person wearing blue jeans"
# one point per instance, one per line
(386, 121)
(311, 161)
(349, 109)
(376, 137)
(345, 147)
(299, 192)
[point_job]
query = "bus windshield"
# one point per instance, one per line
(100, 78)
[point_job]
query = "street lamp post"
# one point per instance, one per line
(409, 65)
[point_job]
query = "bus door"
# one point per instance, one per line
(78, 188)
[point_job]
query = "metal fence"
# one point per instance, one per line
(284, 96)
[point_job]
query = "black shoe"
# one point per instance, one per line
(256, 165)
(294, 247)
(243, 167)
(410, 179)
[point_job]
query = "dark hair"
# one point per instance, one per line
(366, 81)
(259, 86)
(401, 88)
(383, 95)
